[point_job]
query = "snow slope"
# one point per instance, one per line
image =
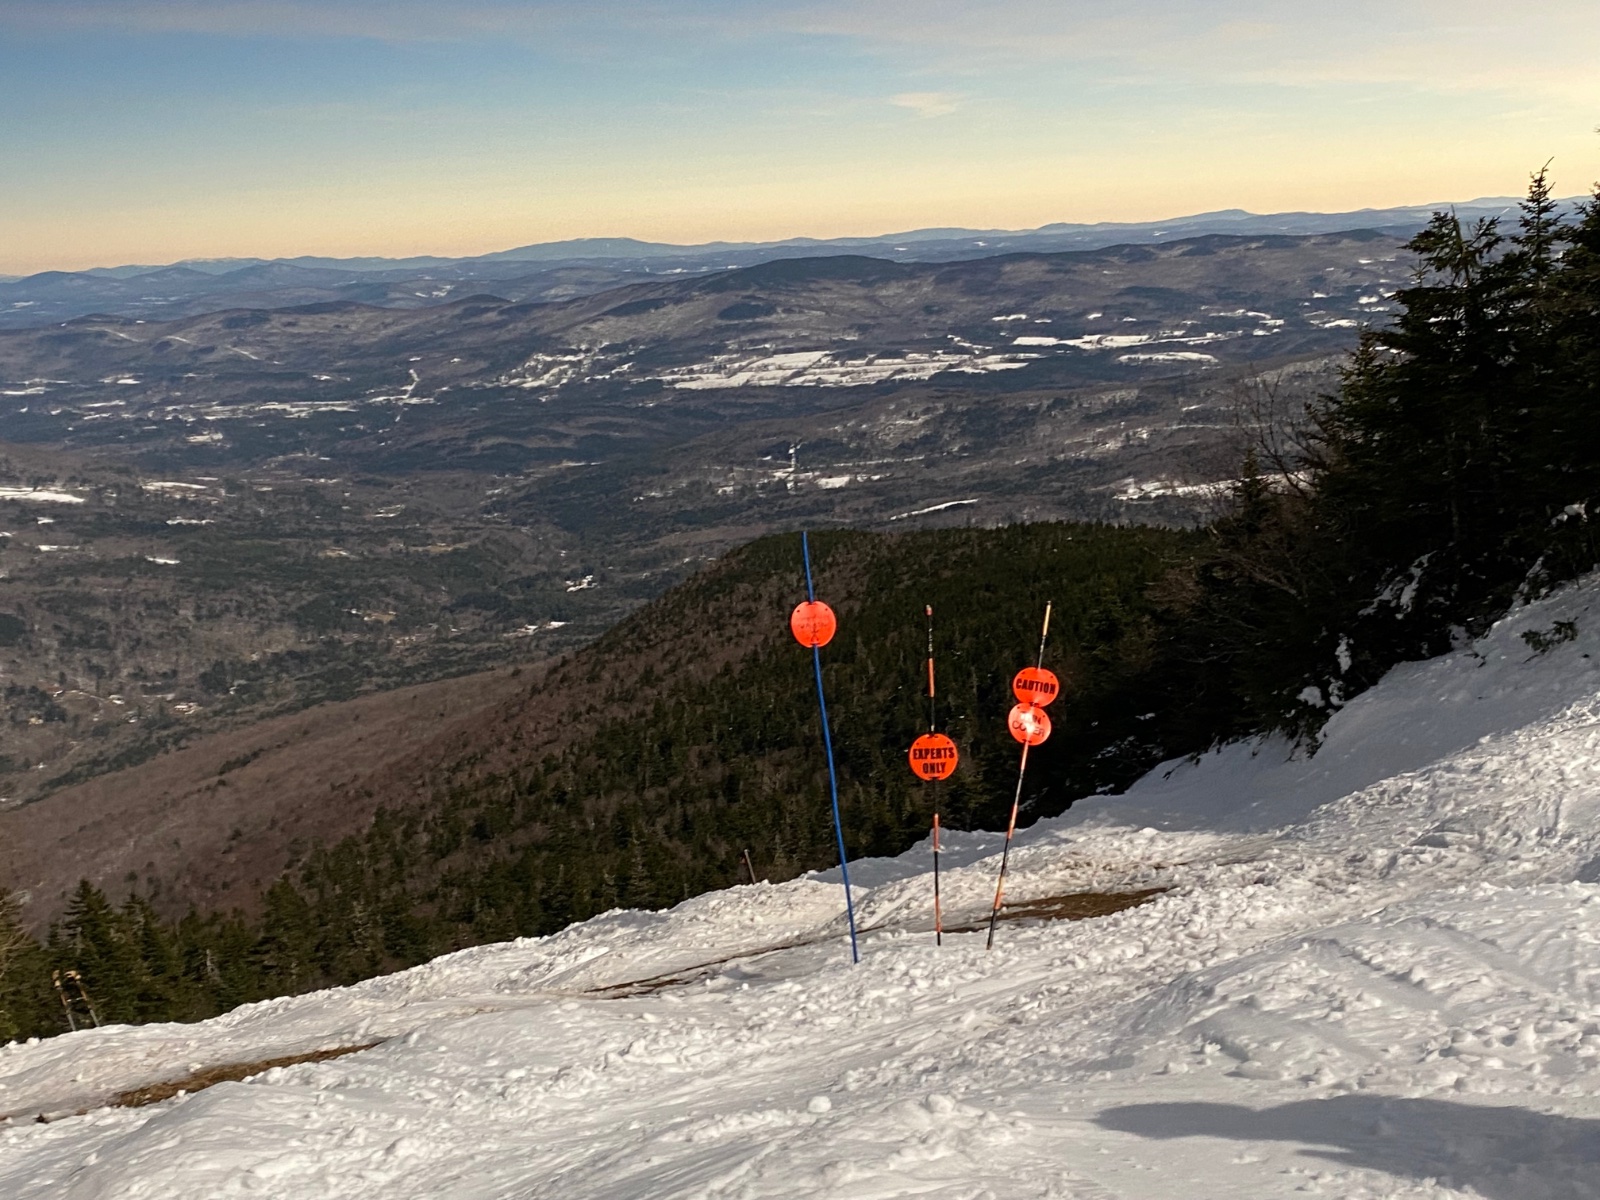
(1376, 974)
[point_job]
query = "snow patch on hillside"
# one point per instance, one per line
(822, 368)
(39, 495)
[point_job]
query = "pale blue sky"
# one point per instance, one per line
(152, 130)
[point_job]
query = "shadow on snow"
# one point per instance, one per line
(1501, 1153)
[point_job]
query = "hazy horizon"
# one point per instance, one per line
(1476, 201)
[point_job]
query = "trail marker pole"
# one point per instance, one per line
(76, 980)
(66, 1005)
(748, 867)
(827, 743)
(1016, 802)
(933, 757)
(1005, 855)
(938, 916)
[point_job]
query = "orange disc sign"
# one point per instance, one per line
(1035, 685)
(1029, 724)
(933, 756)
(813, 624)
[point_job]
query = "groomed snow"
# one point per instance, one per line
(1376, 974)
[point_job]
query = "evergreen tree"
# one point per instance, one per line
(97, 942)
(27, 1009)
(1454, 470)
(161, 990)
(286, 952)
(1568, 431)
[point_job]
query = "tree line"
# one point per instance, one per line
(1455, 472)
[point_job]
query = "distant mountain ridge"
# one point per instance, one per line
(563, 270)
(1227, 220)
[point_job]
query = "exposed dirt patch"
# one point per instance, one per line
(1074, 906)
(155, 1093)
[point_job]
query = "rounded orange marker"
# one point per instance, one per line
(1029, 724)
(813, 624)
(933, 756)
(1035, 685)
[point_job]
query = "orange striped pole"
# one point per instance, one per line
(1005, 855)
(1016, 801)
(932, 757)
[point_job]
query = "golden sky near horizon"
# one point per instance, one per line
(157, 130)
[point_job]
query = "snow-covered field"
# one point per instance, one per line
(822, 368)
(1376, 974)
(39, 495)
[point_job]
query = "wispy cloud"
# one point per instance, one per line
(1444, 45)
(399, 20)
(1440, 45)
(928, 104)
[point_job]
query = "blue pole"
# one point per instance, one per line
(833, 781)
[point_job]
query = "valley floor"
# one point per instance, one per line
(1373, 973)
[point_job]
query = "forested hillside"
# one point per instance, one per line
(1454, 472)
(693, 753)
(639, 771)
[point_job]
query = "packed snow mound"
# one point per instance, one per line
(1424, 713)
(1372, 972)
